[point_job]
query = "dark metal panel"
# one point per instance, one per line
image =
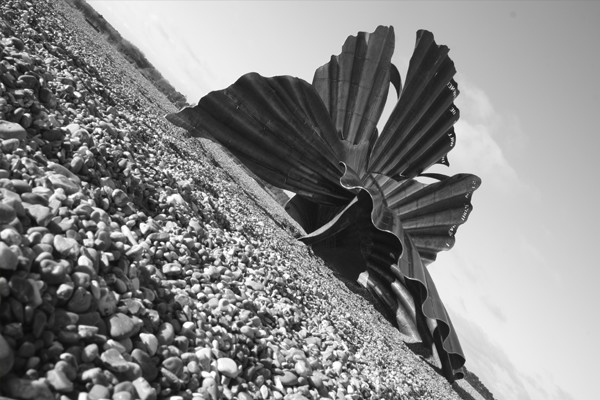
(418, 132)
(355, 83)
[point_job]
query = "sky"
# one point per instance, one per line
(521, 281)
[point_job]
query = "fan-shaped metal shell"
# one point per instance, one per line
(356, 197)
(354, 84)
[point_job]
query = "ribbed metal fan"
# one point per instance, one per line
(356, 195)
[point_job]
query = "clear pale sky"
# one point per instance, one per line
(521, 284)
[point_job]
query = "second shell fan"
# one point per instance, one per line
(356, 195)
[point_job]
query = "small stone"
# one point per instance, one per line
(39, 323)
(121, 326)
(61, 181)
(264, 392)
(10, 236)
(144, 390)
(188, 329)
(173, 364)
(80, 301)
(76, 164)
(244, 396)
(90, 353)
(8, 258)
(171, 270)
(41, 214)
(197, 227)
(21, 186)
(150, 342)
(204, 356)
(11, 130)
(288, 379)
(248, 331)
(7, 357)
(63, 318)
(175, 199)
(135, 252)
(303, 368)
(94, 375)
(122, 395)
(114, 361)
(34, 198)
(82, 279)
(114, 344)
(210, 385)
(59, 381)
(300, 396)
(107, 304)
(25, 290)
(67, 247)
(159, 237)
(227, 367)
(125, 386)
(10, 145)
(52, 272)
(166, 333)
(7, 213)
(98, 392)
(46, 96)
(256, 286)
(64, 171)
(65, 291)
(143, 359)
(26, 389)
(337, 367)
(120, 198)
(26, 350)
(53, 135)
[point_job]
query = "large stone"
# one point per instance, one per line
(11, 130)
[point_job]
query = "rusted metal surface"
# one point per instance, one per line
(356, 198)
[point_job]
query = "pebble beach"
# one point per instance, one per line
(139, 263)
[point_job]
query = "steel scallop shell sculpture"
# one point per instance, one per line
(356, 192)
